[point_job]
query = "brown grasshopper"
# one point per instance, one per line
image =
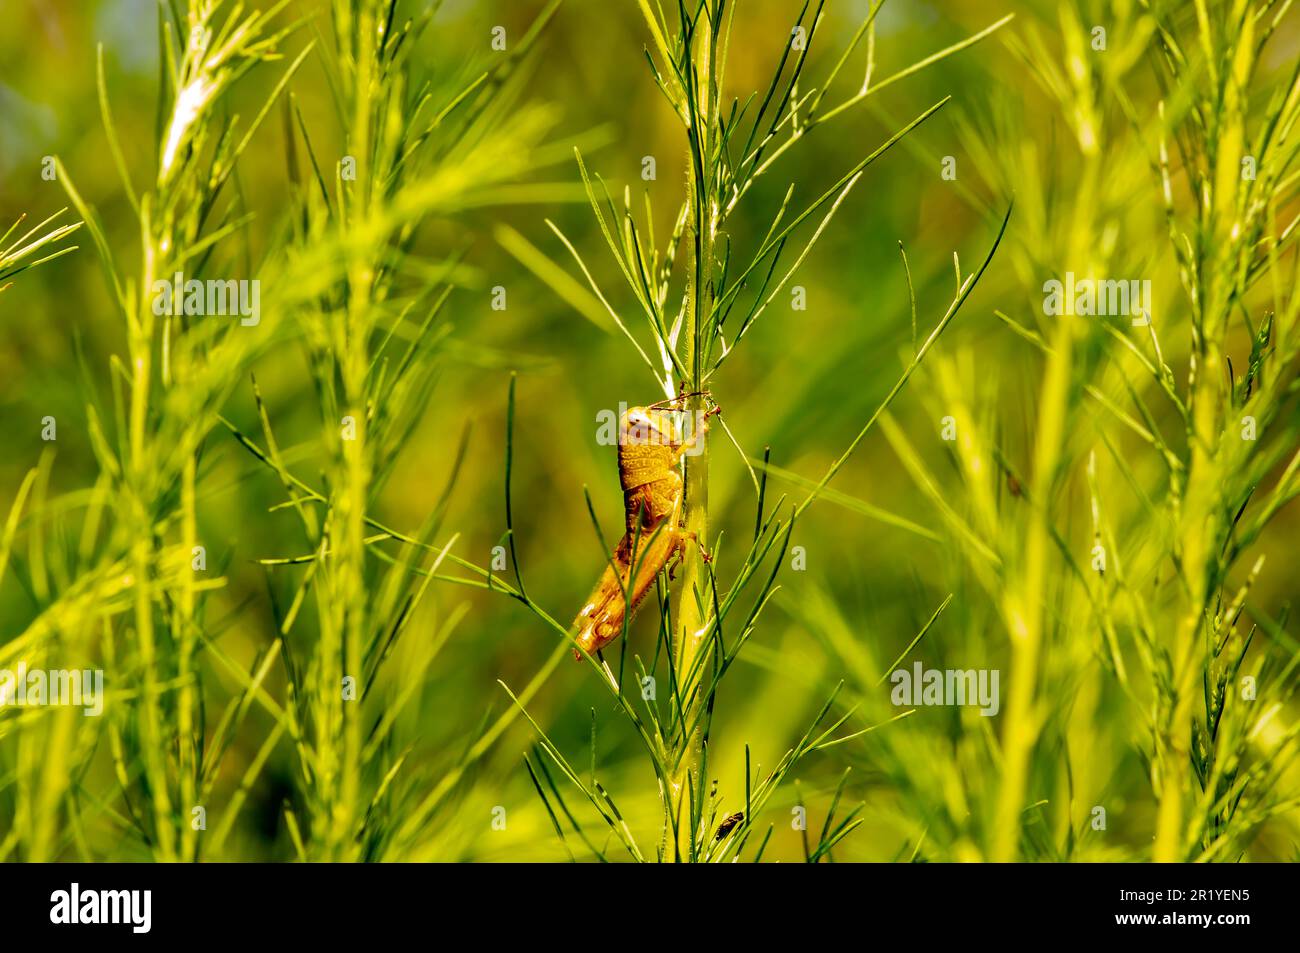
(650, 449)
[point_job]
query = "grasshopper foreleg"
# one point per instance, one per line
(686, 535)
(690, 443)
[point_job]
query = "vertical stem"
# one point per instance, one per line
(1200, 510)
(144, 554)
(188, 768)
(1198, 530)
(699, 302)
(355, 476)
(1024, 606)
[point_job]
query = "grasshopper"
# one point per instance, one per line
(650, 450)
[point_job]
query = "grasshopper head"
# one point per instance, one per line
(647, 440)
(652, 427)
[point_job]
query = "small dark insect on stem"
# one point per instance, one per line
(762, 493)
(727, 824)
(510, 450)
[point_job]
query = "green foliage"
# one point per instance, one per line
(283, 541)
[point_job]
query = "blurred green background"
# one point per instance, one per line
(803, 385)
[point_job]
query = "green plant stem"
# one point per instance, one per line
(144, 555)
(1025, 605)
(355, 480)
(1198, 529)
(188, 631)
(690, 624)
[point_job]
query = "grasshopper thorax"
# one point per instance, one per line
(648, 441)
